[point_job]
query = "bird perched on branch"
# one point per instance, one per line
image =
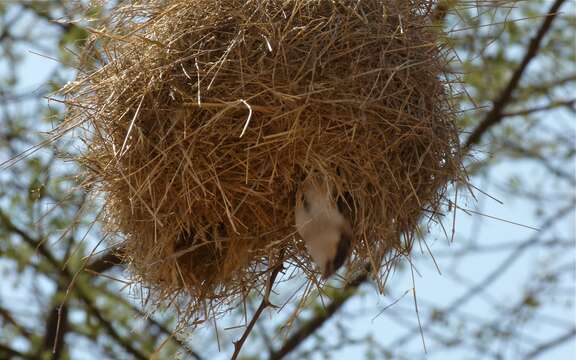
(324, 221)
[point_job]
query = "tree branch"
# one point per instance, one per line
(56, 328)
(263, 305)
(43, 250)
(5, 314)
(312, 325)
(537, 156)
(109, 327)
(568, 336)
(8, 353)
(101, 264)
(193, 354)
(41, 11)
(495, 115)
(543, 86)
(555, 104)
(496, 273)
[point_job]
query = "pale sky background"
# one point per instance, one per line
(431, 287)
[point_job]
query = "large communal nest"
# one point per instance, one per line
(203, 117)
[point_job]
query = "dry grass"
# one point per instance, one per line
(203, 116)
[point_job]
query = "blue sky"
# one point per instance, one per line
(433, 288)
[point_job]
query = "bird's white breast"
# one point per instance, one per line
(319, 222)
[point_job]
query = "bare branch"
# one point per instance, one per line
(568, 336)
(263, 305)
(56, 328)
(125, 343)
(497, 271)
(562, 103)
(8, 353)
(40, 10)
(43, 250)
(311, 326)
(100, 265)
(5, 314)
(543, 87)
(495, 115)
(532, 154)
(181, 344)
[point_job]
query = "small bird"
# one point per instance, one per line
(324, 223)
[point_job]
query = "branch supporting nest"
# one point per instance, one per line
(263, 305)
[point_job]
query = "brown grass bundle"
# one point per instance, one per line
(204, 116)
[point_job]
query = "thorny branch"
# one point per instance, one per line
(531, 154)
(99, 264)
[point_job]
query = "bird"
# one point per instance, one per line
(324, 222)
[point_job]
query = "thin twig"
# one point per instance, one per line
(44, 13)
(7, 316)
(553, 105)
(497, 271)
(141, 314)
(568, 336)
(263, 305)
(56, 328)
(10, 353)
(100, 265)
(311, 326)
(83, 295)
(496, 114)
